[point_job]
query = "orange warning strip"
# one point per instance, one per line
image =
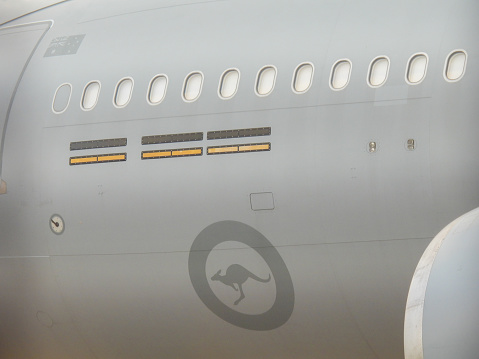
(187, 152)
(252, 147)
(84, 160)
(217, 150)
(111, 158)
(158, 154)
(181, 152)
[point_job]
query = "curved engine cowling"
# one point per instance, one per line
(442, 311)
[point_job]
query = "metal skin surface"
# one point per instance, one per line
(14, 9)
(306, 241)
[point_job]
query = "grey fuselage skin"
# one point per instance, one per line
(346, 226)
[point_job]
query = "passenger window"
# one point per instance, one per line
(123, 92)
(157, 89)
(90, 95)
(340, 74)
(455, 65)
(62, 98)
(303, 78)
(265, 81)
(378, 71)
(192, 86)
(229, 83)
(416, 70)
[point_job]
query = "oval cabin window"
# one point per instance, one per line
(157, 89)
(340, 74)
(229, 84)
(123, 92)
(378, 72)
(62, 98)
(303, 78)
(265, 81)
(90, 95)
(455, 65)
(192, 86)
(417, 67)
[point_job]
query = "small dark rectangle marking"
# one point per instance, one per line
(89, 145)
(172, 138)
(247, 132)
(172, 153)
(106, 158)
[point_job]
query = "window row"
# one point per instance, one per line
(340, 75)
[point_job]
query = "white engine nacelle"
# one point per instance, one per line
(442, 311)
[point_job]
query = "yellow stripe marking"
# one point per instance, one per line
(114, 157)
(111, 158)
(223, 149)
(180, 152)
(196, 151)
(75, 161)
(248, 148)
(157, 154)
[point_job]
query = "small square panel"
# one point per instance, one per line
(262, 201)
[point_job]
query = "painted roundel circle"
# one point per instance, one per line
(206, 253)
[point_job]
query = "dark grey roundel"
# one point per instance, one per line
(231, 231)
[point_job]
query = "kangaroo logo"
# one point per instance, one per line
(237, 274)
